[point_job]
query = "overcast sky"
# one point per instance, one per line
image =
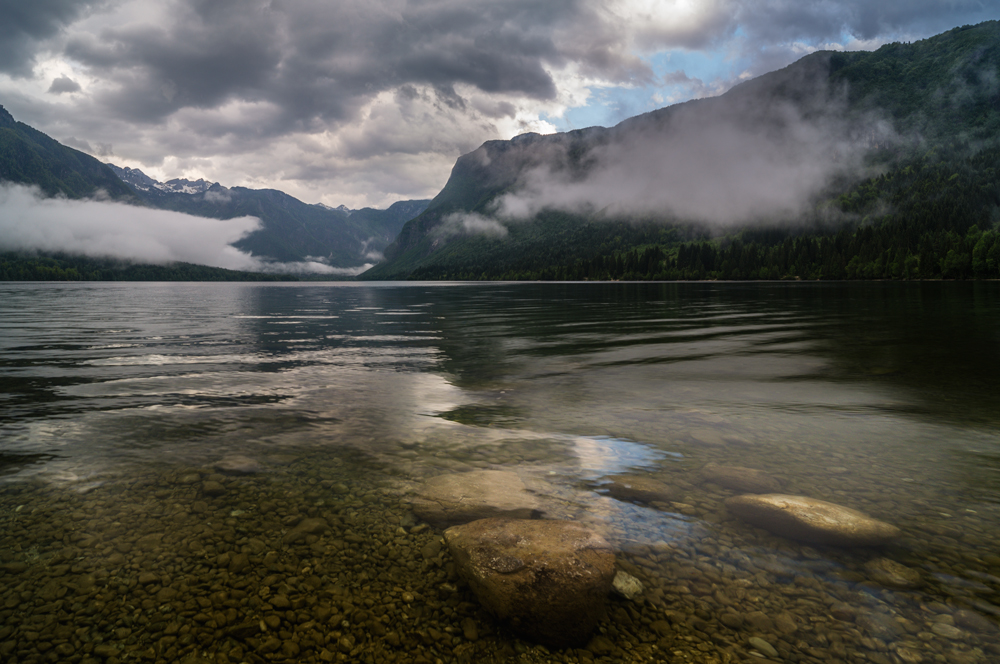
(365, 102)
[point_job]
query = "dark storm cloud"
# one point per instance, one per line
(285, 93)
(23, 23)
(319, 62)
(64, 84)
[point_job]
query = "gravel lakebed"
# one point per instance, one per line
(316, 556)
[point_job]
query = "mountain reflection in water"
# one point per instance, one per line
(123, 537)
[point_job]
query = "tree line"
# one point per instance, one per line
(933, 216)
(60, 267)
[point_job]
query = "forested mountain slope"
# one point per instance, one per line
(291, 231)
(27, 156)
(876, 164)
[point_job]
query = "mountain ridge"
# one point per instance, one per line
(874, 111)
(293, 231)
(27, 156)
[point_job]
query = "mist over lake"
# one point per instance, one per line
(232, 472)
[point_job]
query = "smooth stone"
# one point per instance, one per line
(892, 574)
(642, 489)
(738, 478)
(237, 464)
(105, 651)
(548, 580)
(842, 611)
(661, 627)
(148, 577)
(785, 623)
(149, 542)
(809, 520)
(946, 630)
(878, 625)
(909, 655)
(239, 563)
(469, 629)
(212, 488)
(763, 646)
(601, 645)
(463, 497)
(627, 585)
(306, 527)
(709, 437)
(973, 621)
(731, 620)
(165, 595)
(759, 621)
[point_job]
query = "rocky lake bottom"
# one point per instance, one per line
(264, 492)
(315, 557)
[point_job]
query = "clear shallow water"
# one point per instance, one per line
(118, 401)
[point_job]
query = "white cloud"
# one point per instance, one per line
(104, 229)
(721, 163)
(470, 223)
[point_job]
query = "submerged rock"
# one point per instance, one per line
(627, 585)
(738, 478)
(463, 497)
(548, 580)
(237, 464)
(642, 489)
(810, 520)
(892, 574)
(306, 527)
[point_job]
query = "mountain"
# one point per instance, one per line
(843, 165)
(27, 156)
(292, 231)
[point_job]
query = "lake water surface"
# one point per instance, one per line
(160, 442)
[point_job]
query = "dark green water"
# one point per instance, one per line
(120, 540)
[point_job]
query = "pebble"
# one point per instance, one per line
(946, 630)
(627, 585)
(469, 629)
(759, 621)
(601, 645)
(763, 646)
(212, 488)
(892, 574)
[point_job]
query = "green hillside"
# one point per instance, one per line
(924, 205)
(28, 156)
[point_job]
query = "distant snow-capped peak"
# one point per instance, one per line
(143, 182)
(180, 186)
(340, 208)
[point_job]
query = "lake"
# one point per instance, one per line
(162, 445)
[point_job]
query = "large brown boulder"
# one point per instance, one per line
(810, 520)
(548, 580)
(738, 478)
(479, 494)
